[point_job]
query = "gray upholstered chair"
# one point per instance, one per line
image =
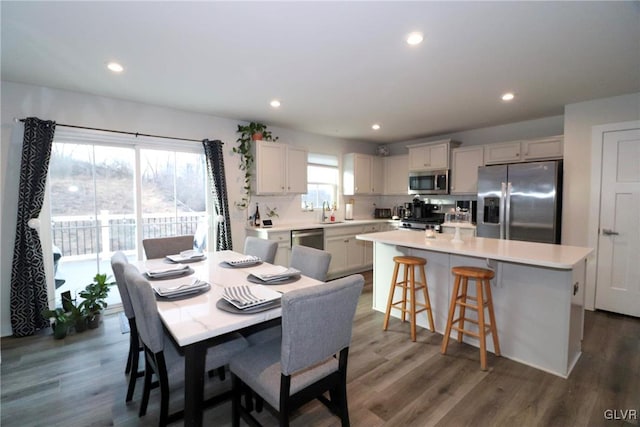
(310, 261)
(162, 359)
(302, 365)
(265, 249)
(160, 247)
(118, 262)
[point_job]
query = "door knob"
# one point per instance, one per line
(609, 232)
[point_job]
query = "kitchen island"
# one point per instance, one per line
(538, 291)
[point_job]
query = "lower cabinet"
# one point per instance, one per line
(346, 253)
(284, 243)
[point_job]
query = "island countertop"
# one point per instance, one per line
(562, 257)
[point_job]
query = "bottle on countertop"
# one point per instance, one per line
(256, 217)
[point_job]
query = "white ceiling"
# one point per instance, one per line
(337, 67)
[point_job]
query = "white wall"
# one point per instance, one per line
(577, 203)
(20, 101)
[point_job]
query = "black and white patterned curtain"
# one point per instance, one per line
(28, 281)
(215, 171)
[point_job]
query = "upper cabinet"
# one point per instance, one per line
(464, 169)
(504, 152)
(430, 156)
(280, 169)
(543, 148)
(396, 175)
(524, 151)
(362, 174)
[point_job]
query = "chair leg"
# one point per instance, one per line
(146, 389)
(235, 400)
(492, 318)
(427, 300)
(392, 289)
(127, 368)
(463, 312)
(412, 308)
(285, 387)
(452, 309)
(481, 330)
(133, 371)
(404, 292)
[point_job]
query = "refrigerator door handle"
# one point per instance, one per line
(501, 216)
(507, 213)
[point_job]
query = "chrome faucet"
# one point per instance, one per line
(324, 216)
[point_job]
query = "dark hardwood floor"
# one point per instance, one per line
(80, 381)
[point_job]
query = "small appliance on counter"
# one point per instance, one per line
(348, 210)
(422, 216)
(382, 213)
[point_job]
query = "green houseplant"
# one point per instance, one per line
(94, 295)
(252, 132)
(62, 321)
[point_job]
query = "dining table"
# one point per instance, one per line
(195, 322)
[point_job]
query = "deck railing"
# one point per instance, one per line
(86, 234)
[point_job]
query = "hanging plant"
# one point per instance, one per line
(251, 132)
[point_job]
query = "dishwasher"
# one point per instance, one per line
(311, 237)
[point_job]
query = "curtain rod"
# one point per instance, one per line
(136, 134)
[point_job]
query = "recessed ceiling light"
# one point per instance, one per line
(275, 103)
(115, 67)
(508, 96)
(375, 126)
(415, 38)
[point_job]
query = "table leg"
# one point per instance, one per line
(194, 360)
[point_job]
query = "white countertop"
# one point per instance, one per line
(562, 257)
(305, 225)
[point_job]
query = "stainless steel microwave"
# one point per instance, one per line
(429, 182)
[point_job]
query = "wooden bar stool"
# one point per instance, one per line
(409, 284)
(483, 299)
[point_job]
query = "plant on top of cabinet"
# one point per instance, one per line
(251, 132)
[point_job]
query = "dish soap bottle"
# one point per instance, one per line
(256, 217)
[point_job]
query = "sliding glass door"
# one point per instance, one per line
(108, 197)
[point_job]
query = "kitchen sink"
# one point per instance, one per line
(331, 223)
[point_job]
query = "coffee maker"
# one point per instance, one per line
(408, 210)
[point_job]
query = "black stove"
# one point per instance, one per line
(422, 223)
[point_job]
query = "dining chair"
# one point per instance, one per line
(311, 262)
(263, 248)
(160, 247)
(118, 262)
(309, 359)
(162, 358)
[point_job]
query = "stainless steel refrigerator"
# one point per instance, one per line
(521, 201)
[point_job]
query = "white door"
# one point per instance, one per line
(618, 277)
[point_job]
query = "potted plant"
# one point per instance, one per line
(251, 132)
(95, 295)
(61, 322)
(78, 316)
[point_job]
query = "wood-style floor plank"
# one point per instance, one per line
(80, 381)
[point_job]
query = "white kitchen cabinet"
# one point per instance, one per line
(524, 151)
(396, 173)
(283, 238)
(368, 246)
(280, 169)
(505, 152)
(543, 148)
(347, 253)
(430, 156)
(377, 175)
(464, 169)
(362, 174)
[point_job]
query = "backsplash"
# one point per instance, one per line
(289, 208)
